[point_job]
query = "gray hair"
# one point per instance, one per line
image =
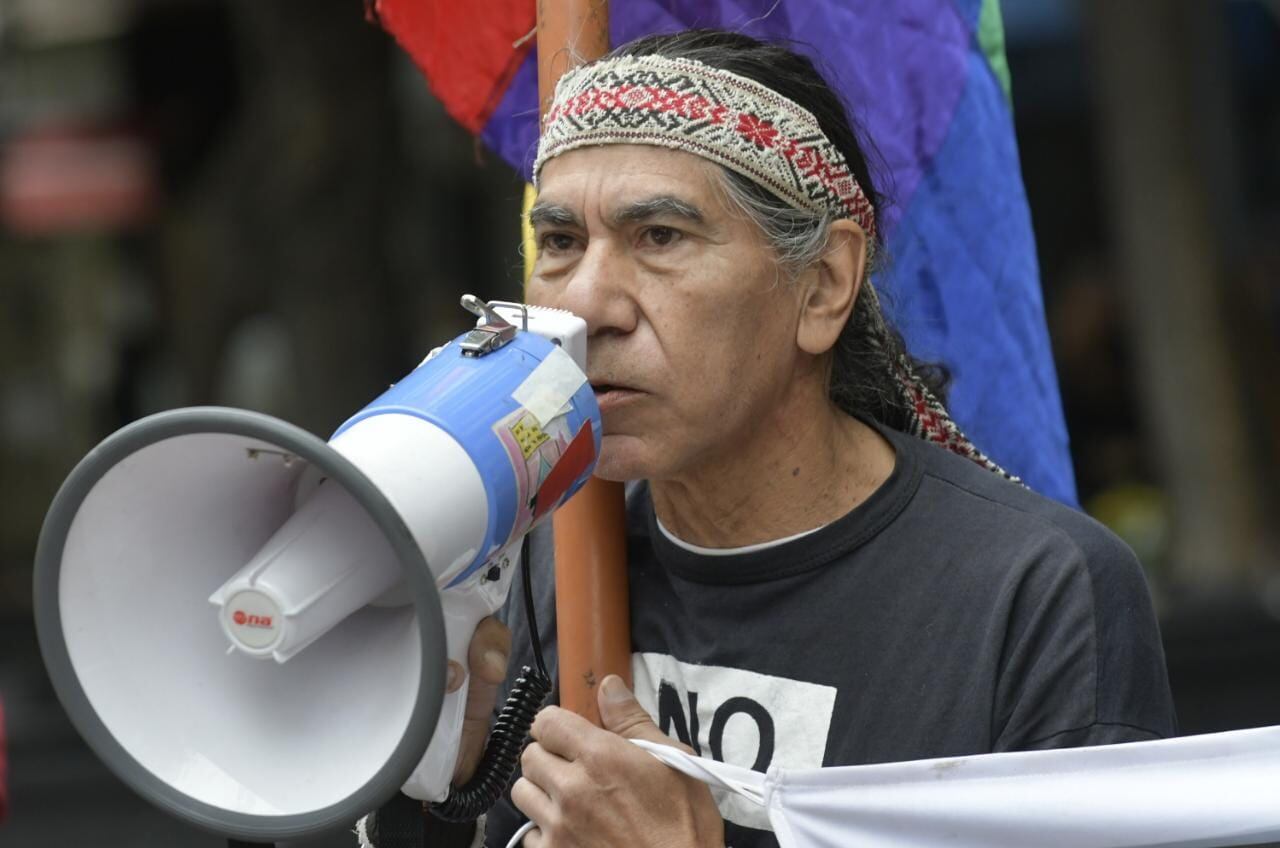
(865, 363)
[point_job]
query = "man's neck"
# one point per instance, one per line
(792, 473)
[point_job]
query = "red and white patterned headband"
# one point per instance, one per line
(716, 114)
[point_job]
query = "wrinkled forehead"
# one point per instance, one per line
(607, 177)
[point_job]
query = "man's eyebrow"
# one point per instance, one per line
(552, 215)
(660, 205)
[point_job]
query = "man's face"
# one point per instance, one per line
(692, 329)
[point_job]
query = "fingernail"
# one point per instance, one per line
(455, 677)
(497, 662)
(614, 690)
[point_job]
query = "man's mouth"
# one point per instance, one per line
(612, 395)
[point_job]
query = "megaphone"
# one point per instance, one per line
(251, 626)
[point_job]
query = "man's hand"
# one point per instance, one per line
(586, 787)
(487, 657)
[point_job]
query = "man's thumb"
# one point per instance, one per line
(621, 712)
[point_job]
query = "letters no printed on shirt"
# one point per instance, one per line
(735, 716)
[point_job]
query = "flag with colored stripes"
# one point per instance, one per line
(927, 83)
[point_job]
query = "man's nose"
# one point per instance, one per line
(599, 290)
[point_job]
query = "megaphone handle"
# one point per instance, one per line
(510, 730)
(464, 606)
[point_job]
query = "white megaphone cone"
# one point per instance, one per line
(251, 626)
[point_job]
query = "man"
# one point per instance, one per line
(812, 583)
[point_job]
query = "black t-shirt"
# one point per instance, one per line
(951, 613)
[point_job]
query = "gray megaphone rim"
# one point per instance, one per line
(48, 567)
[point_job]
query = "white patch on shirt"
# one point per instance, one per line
(736, 716)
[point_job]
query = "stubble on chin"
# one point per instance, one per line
(619, 460)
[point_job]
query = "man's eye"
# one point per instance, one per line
(556, 242)
(661, 236)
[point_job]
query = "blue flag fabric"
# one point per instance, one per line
(926, 82)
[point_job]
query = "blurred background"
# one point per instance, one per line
(261, 205)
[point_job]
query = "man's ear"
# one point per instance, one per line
(833, 289)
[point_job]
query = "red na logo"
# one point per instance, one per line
(242, 619)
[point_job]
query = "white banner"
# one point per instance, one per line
(1191, 792)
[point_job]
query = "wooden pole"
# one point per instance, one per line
(593, 621)
(570, 33)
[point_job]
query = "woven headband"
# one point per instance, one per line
(734, 121)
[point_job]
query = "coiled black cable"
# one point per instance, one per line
(510, 730)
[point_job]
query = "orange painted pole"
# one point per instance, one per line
(593, 620)
(570, 32)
